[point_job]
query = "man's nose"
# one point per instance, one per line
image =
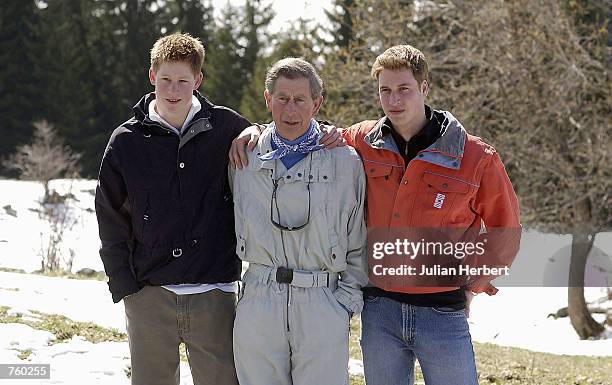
(395, 98)
(291, 106)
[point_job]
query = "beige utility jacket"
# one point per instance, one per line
(334, 239)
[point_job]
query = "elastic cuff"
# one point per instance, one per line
(487, 288)
(346, 300)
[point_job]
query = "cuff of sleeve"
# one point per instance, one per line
(122, 283)
(353, 303)
(482, 288)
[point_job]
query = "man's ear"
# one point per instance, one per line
(425, 88)
(268, 99)
(199, 77)
(318, 102)
(152, 76)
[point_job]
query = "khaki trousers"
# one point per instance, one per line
(159, 320)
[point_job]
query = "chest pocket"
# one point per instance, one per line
(382, 184)
(377, 170)
(443, 201)
(337, 245)
(445, 184)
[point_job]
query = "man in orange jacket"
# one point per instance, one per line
(424, 171)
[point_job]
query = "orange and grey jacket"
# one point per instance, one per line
(466, 170)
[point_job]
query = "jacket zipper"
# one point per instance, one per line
(288, 285)
(287, 265)
(288, 305)
(145, 219)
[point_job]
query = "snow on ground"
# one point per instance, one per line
(355, 367)
(519, 317)
(79, 300)
(73, 361)
(18, 337)
(22, 237)
(516, 316)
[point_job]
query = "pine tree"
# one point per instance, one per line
(222, 69)
(257, 17)
(141, 27)
(236, 46)
(19, 44)
(194, 17)
(68, 97)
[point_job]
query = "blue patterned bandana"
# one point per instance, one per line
(307, 145)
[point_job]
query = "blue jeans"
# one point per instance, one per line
(393, 334)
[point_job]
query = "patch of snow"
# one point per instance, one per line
(518, 317)
(355, 367)
(79, 300)
(22, 238)
(22, 337)
(71, 361)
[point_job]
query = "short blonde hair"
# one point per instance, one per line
(402, 57)
(178, 47)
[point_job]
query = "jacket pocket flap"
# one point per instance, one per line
(445, 184)
(326, 175)
(377, 170)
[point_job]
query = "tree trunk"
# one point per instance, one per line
(45, 184)
(580, 316)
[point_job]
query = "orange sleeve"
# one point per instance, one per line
(349, 134)
(497, 205)
(496, 201)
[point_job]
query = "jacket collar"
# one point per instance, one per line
(141, 109)
(452, 140)
(447, 151)
(200, 122)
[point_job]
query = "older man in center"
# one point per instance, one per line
(299, 224)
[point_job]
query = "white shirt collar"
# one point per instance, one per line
(195, 107)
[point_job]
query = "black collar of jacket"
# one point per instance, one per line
(428, 134)
(408, 149)
(141, 112)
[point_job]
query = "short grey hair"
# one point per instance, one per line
(294, 68)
